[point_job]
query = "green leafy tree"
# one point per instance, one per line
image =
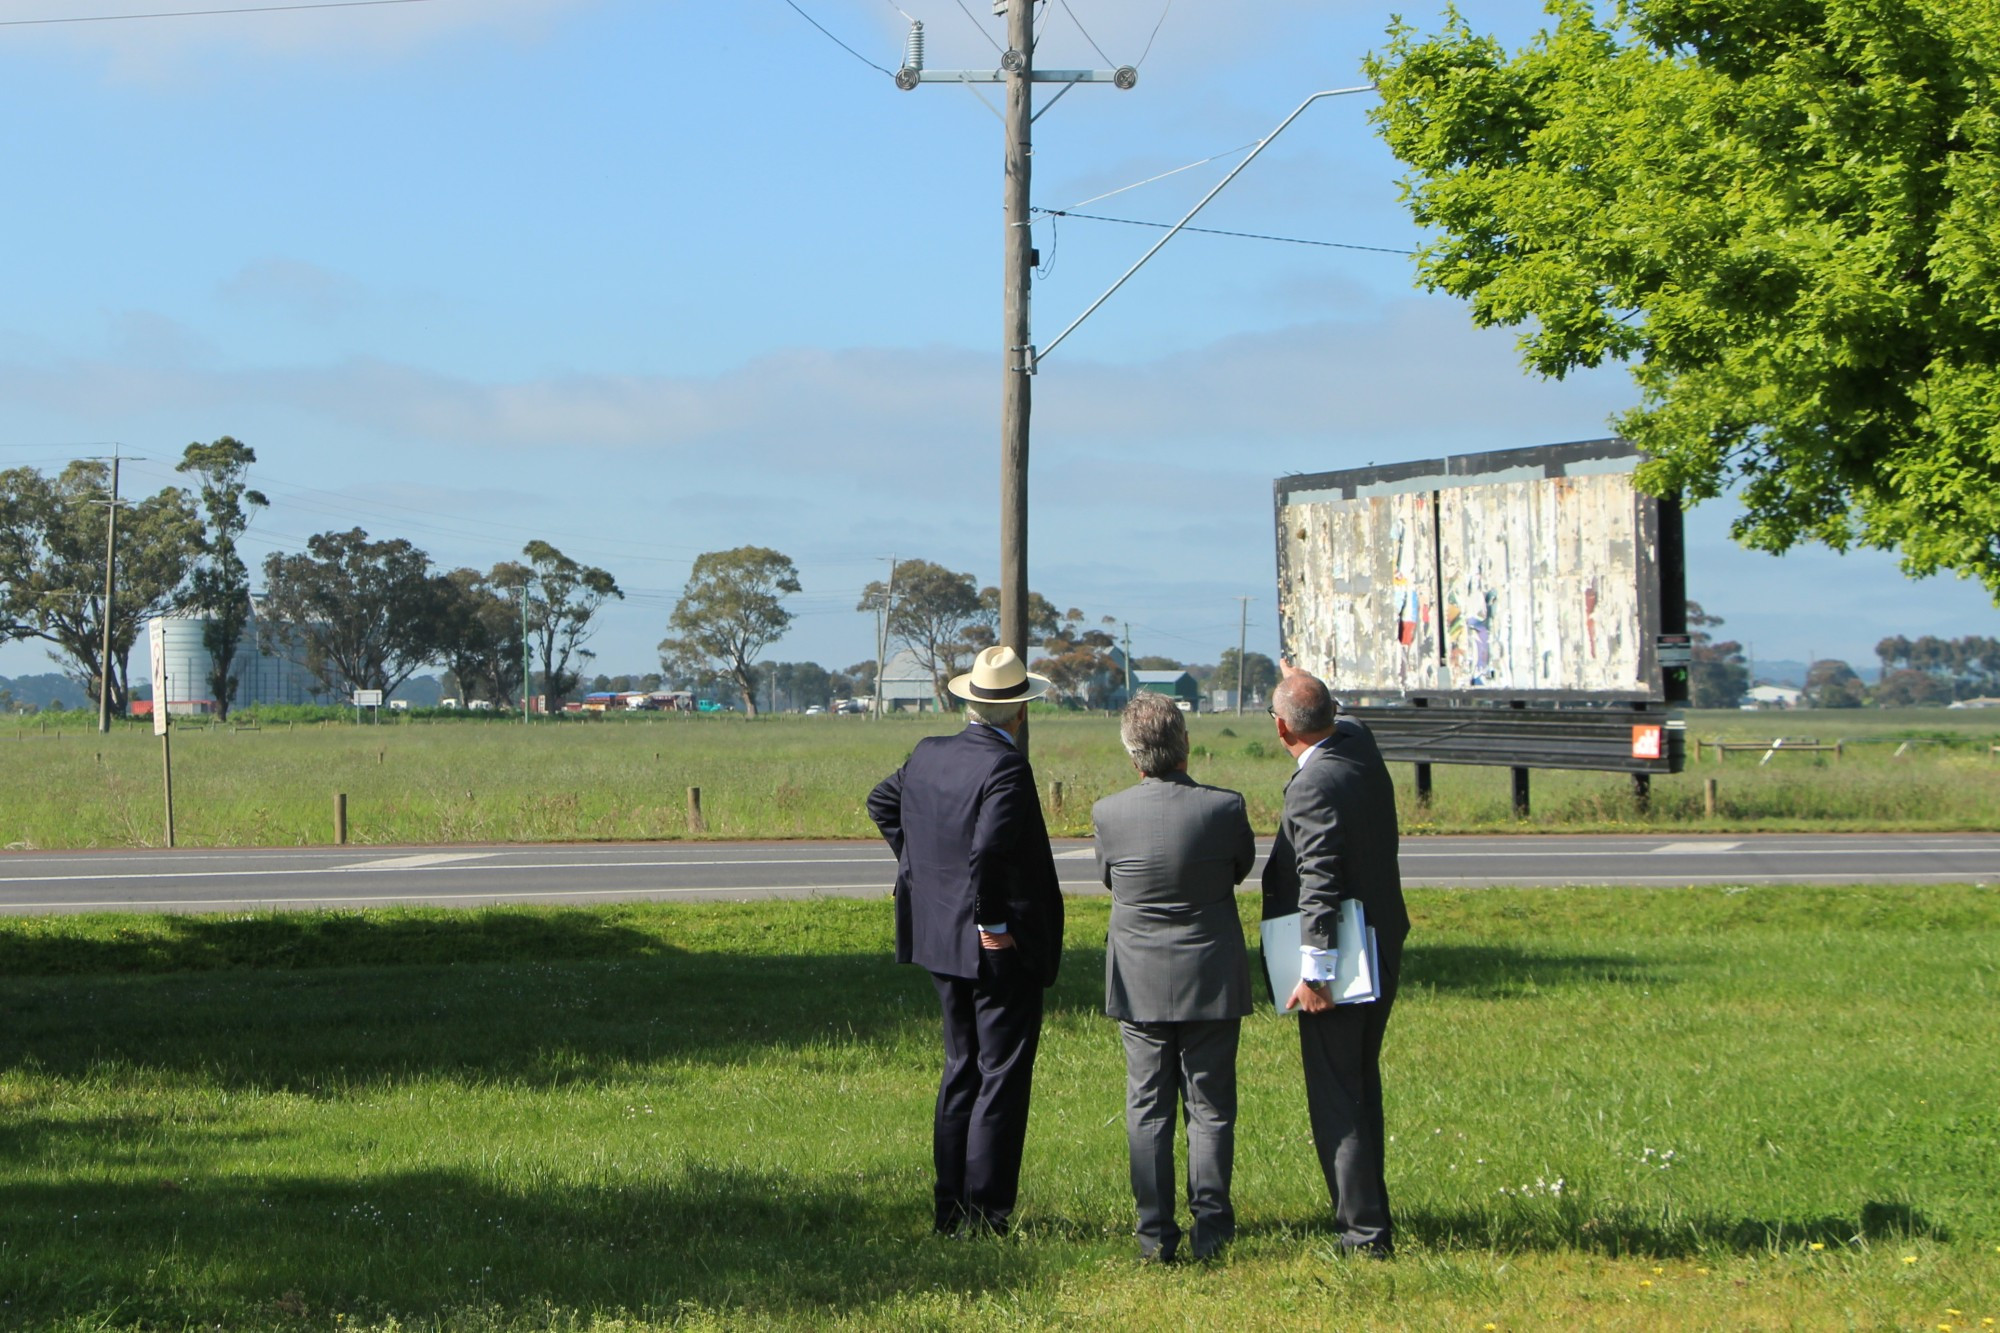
(563, 598)
(984, 631)
(52, 566)
(731, 608)
(930, 608)
(358, 614)
(1831, 683)
(219, 587)
(1156, 663)
(1259, 676)
(1780, 213)
(1077, 660)
(1910, 688)
(1719, 675)
(479, 631)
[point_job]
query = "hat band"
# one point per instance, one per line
(1004, 692)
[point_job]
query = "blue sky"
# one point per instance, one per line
(644, 278)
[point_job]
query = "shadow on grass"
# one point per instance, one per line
(431, 1243)
(1619, 1233)
(1489, 971)
(292, 941)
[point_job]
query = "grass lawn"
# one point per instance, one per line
(1760, 1108)
(63, 785)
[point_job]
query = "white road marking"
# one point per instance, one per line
(1696, 847)
(416, 862)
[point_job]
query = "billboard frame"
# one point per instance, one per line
(1660, 561)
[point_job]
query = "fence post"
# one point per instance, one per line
(340, 819)
(1708, 797)
(696, 824)
(1056, 797)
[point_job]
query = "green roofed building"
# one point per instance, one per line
(1178, 684)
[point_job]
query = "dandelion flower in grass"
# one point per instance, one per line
(1702, 1271)
(1817, 1246)
(1645, 1282)
(1658, 1271)
(1909, 1258)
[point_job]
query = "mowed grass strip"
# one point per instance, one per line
(1770, 1108)
(64, 786)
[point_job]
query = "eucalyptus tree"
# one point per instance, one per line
(219, 587)
(52, 552)
(357, 614)
(730, 610)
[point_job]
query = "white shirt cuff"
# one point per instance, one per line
(1000, 929)
(1317, 964)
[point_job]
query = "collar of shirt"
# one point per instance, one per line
(1001, 732)
(1306, 754)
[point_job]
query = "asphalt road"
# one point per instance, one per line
(462, 876)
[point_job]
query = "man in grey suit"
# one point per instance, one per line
(1337, 839)
(1176, 973)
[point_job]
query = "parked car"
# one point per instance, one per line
(814, 710)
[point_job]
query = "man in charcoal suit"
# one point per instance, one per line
(1176, 974)
(979, 907)
(1337, 839)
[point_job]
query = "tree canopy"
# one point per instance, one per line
(1783, 214)
(219, 587)
(358, 614)
(52, 532)
(731, 608)
(563, 598)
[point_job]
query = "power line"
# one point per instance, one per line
(207, 13)
(837, 42)
(1140, 63)
(1086, 34)
(1212, 231)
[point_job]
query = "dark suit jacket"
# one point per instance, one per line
(1337, 839)
(1172, 853)
(965, 822)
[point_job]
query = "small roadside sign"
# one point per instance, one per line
(156, 644)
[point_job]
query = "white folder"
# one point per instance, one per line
(1355, 976)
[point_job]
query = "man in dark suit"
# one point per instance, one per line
(978, 906)
(1337, 839)
(1176, 973)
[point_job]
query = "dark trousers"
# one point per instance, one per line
(991, 1027)
(1169, 1066)
(1342, 1053)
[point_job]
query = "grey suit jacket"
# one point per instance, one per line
(1337, 839)
(1172, 853)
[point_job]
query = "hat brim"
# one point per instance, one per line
(1032, 687)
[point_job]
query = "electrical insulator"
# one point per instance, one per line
(913, 52)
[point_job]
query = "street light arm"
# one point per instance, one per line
(1265, 142)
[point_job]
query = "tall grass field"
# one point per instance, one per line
(62, 785)
(1610, 1109)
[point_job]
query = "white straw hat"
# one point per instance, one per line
(997, 677)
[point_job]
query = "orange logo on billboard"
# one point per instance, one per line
(1647, 742)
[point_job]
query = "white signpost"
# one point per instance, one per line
(156, 643)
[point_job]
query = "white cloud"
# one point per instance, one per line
(156, 50)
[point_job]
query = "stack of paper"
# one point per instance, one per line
(1355, 978)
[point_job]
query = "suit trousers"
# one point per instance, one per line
(1342, 1053)
(1168, 1065)
(992, 1025)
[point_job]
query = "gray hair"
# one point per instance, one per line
(1154, 733)
(1001, 714)
(1304, 703)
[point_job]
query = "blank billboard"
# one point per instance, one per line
(1523, 574)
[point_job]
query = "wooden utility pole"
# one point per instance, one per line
(110, 569)
(1017, 360)
(1242, 640)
